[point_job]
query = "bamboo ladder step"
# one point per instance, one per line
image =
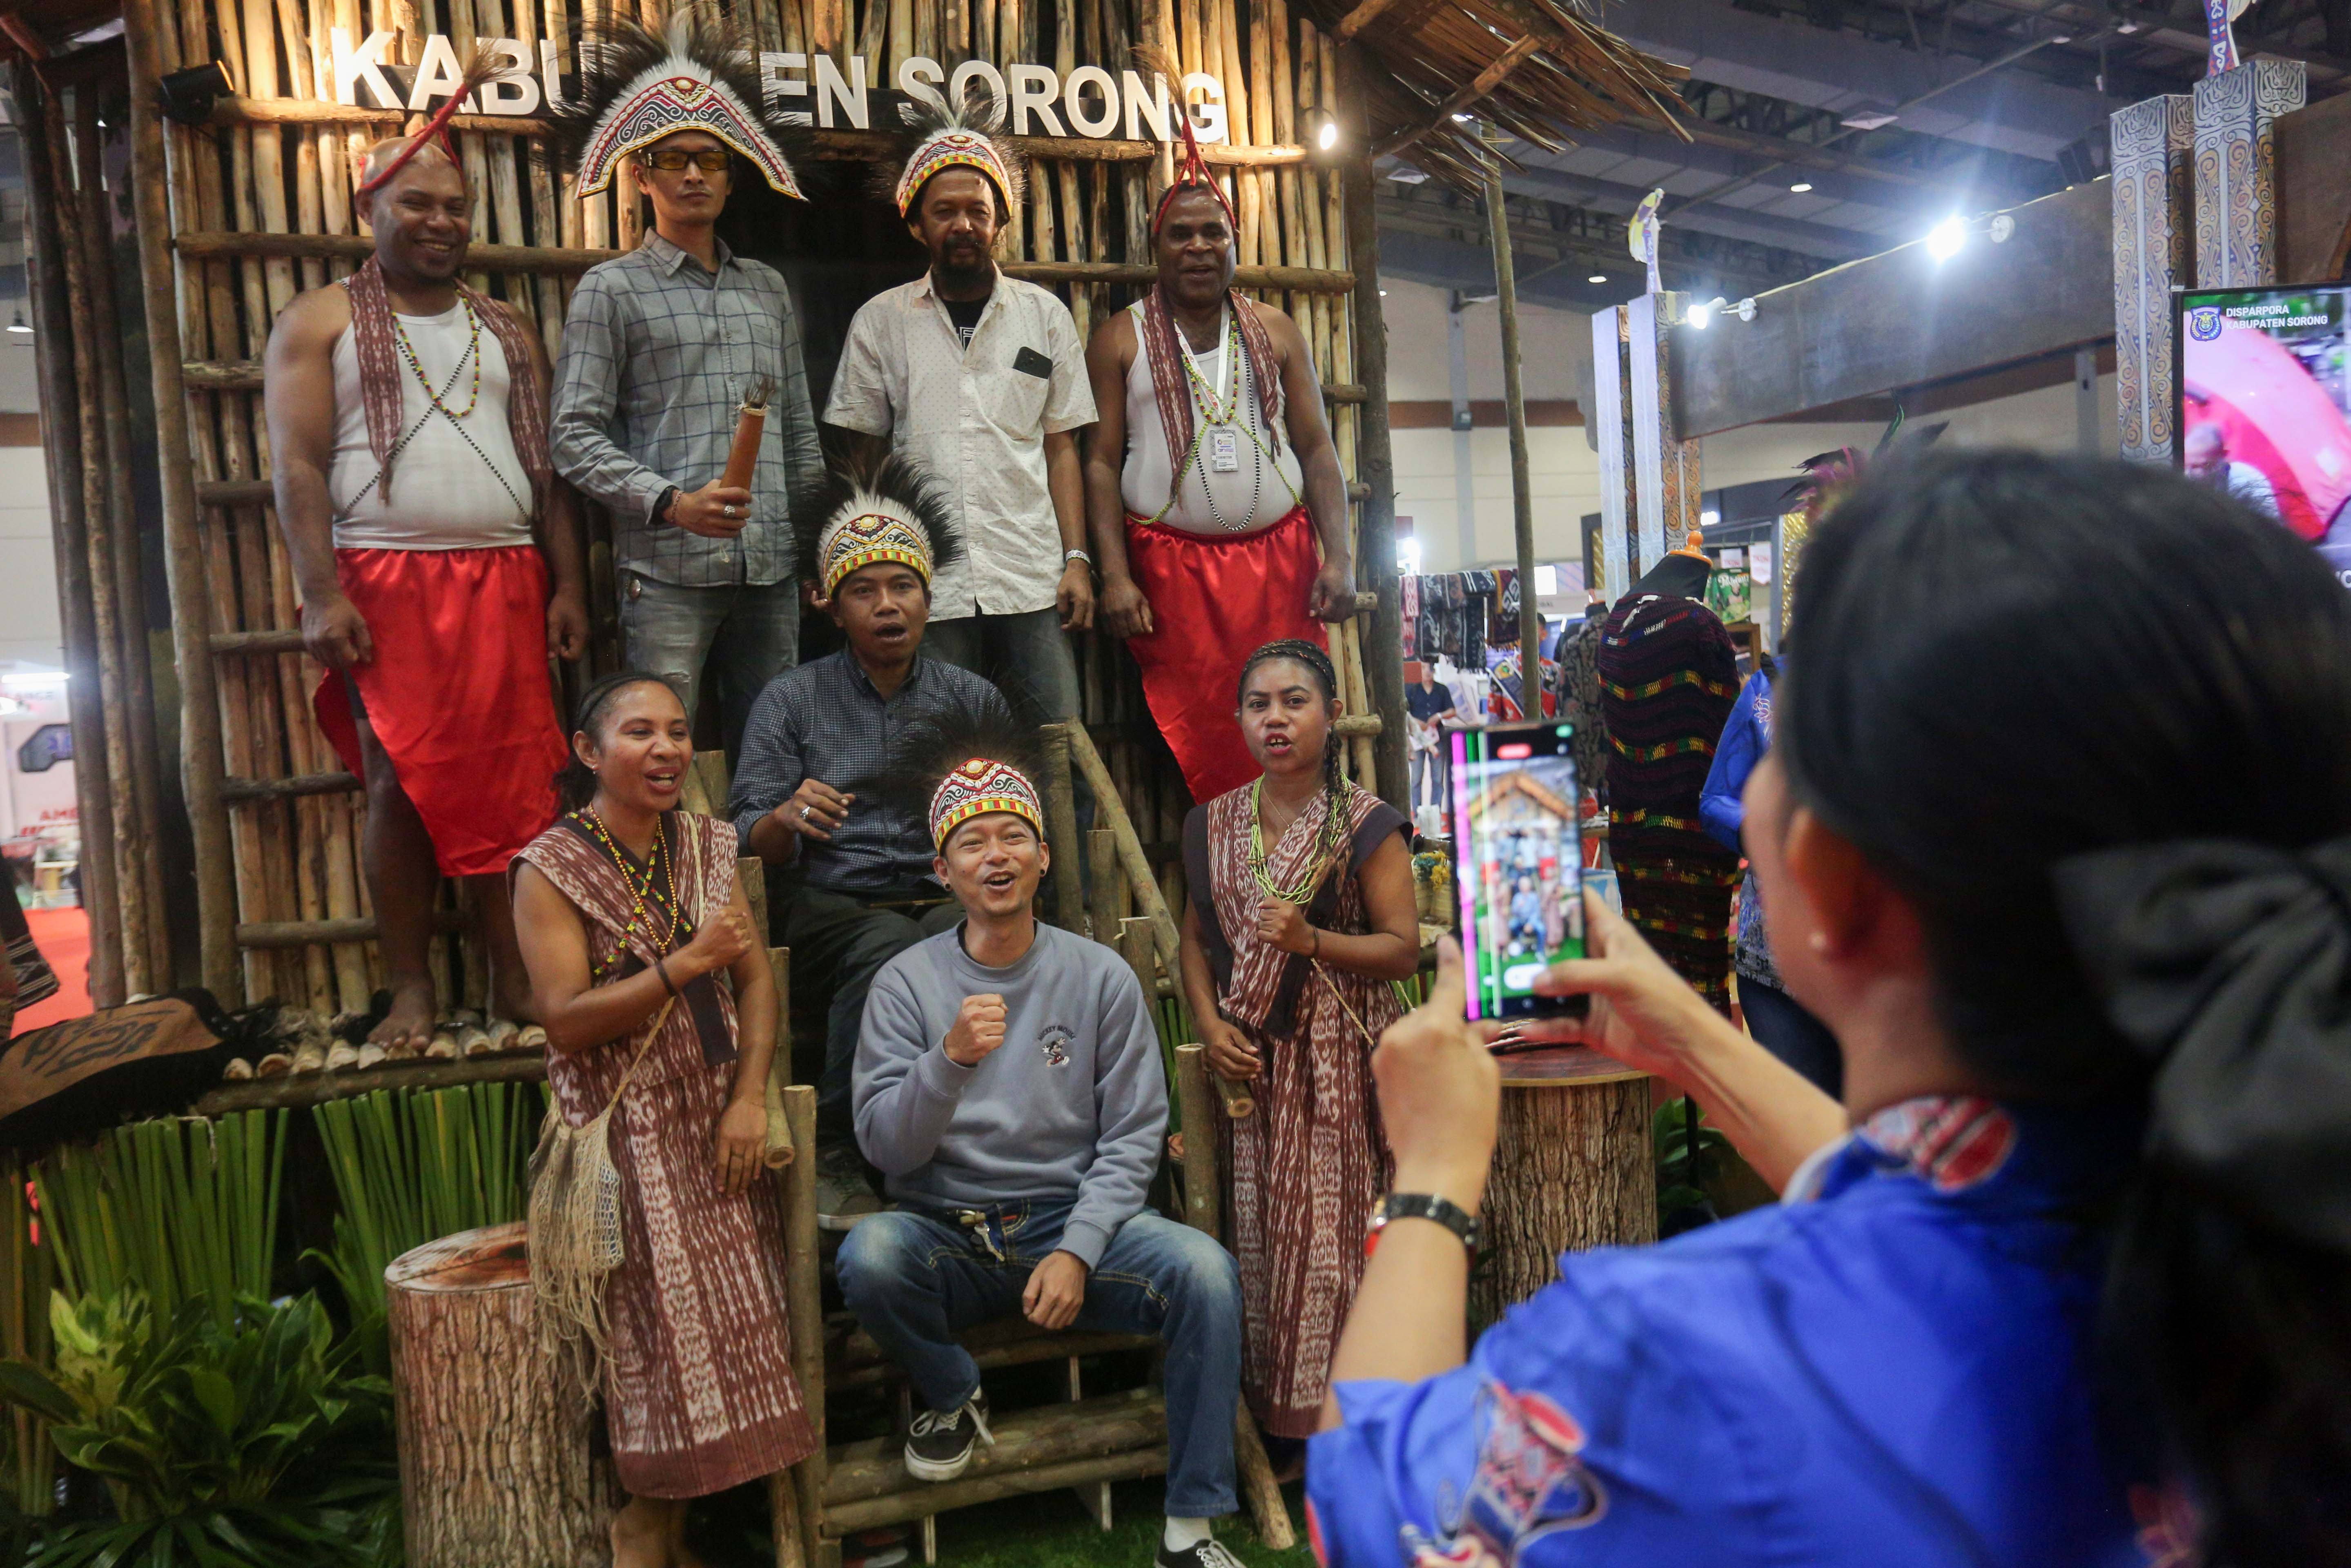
(327, 933)
(236, 791)
(852, 1359)
(233, 492)
(1112, 1436)
(317, 1087)
(238, 644)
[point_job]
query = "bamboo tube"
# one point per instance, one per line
(902, 34)
(130, 829)
(52, 344)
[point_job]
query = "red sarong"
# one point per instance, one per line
(1215, 600)
(457, 693)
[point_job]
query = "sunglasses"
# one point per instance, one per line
(710, 159)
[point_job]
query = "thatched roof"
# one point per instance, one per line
(1539, 69)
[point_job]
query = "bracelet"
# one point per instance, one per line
(1315, 951)
(1070, 555)
(661, 967)
(1398, 1206)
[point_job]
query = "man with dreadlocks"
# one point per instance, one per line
(1008, 1082)
(664, 346)
(1209, 478)
(980, 377)
(437, 559)
(1301, 914)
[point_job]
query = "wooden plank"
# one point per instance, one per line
(235, 493)
(325, 933)
(1362, 17)
(926, 1499)
(227, 644)
(236, 791)
(229, 375)
(317, 1087)
(1025, 1439)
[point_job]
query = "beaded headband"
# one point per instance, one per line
(943, 150)
(871, 533)
(978, 788)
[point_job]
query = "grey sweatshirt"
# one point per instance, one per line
(1071, 1106)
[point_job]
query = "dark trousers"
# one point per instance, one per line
(838, 947)
(1782, 1026)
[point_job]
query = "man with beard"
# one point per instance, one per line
(1209, 479)
(663, 346)
(980, 377)
(437, 560)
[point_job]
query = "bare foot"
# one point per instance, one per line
(641, 1535)
(407, 1028)
(510, 998)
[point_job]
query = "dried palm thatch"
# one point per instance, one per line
(1538, 69)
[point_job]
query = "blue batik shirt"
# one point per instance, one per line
(1890, 1368)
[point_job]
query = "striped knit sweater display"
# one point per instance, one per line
(1669, 676)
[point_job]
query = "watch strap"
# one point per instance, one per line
(1398, 1206)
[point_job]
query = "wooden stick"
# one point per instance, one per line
(1061, 831)
(804, 1310)
(272, 1093)
(1202, 1185)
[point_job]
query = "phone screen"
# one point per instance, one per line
(1518, 865)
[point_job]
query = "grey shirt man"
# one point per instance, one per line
(1072, 1105)
(657, 354)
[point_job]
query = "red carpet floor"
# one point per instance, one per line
(63, 936)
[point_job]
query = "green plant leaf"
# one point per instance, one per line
(29, 1388)
(216, 1395)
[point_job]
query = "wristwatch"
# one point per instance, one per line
(1398, 1206)
(662, 505)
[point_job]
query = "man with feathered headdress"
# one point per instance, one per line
(1008, 1082)
(851, 884)
(980, 378)
(1209, 478)
(436, 555)
(663, 347)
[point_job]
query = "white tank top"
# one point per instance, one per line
(1255, 496)
(445, 495)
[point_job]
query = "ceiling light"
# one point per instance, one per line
(1405, 175)
(1945, 239)
(2127, 28)
(1708, 517)
(1328, 136)
(18, 325)
(1597, 277)
(1869, 117)
(1700, 315)
(1801, 186)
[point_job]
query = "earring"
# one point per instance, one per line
(1818, 941)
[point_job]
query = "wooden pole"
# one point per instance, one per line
(1514, 401)
(804, 1310)
(1061, 830)
(1375, 561)
(61, 435)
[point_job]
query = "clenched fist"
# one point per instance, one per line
(723, 938)
(978, 1029)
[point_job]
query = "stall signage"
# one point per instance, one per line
(1038, 100)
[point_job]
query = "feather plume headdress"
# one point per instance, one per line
(942, 135)
(889, 511)
(956, 766)
(637, 86)
(1192, 171)
(486, 65)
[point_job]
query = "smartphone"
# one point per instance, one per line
(1518, 865)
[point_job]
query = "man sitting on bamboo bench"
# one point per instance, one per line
(1008, 1084)
(851, 886)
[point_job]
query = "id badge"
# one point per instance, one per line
(1224, 449)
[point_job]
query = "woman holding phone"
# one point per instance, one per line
(1300, 914)
(2055, 835)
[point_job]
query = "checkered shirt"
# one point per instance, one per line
(656, 354)
(825, 721)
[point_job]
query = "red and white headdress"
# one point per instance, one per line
(888, 512)
(978, 786)
(945, 136)
(1192, 172)
(637, 86)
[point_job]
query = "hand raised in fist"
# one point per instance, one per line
(978, 1029)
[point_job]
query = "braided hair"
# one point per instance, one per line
(1339, 788)
(575, 781)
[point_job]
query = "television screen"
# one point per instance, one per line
(2265, 405)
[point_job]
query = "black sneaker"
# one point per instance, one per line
(1209, 1553)
(939, 1444)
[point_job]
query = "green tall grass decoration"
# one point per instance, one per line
(28, 1273)
(412, 1165)
(183, 1208)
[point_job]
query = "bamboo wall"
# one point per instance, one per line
(261, 207)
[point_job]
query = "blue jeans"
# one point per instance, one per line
(1026, 655)
(748, 632)
(916, 1279)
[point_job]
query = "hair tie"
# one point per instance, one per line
(2227, 965)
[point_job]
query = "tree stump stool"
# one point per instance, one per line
(1573, 1170)
(495, 1470)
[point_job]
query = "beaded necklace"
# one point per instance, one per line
(1327, 846)
(436, 402)
(641, 887)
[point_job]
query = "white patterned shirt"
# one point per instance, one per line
(976, 421)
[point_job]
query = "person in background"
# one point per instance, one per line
(659, 1005)
(1301, 914)
(2061, 1284)
(1428, 704)
(2208, 462)
(851, 885)
(981, 380)
(1786, 1030)
(663, 346)
(1008, 1082)
(1209, 481)
(437, 558)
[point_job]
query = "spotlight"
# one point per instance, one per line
(1323, 128)
(1945, 239)
(1708, 517)
(1597, 277)
(1801, 186)
(18, 325)
(189, 95)
(1700, 317)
